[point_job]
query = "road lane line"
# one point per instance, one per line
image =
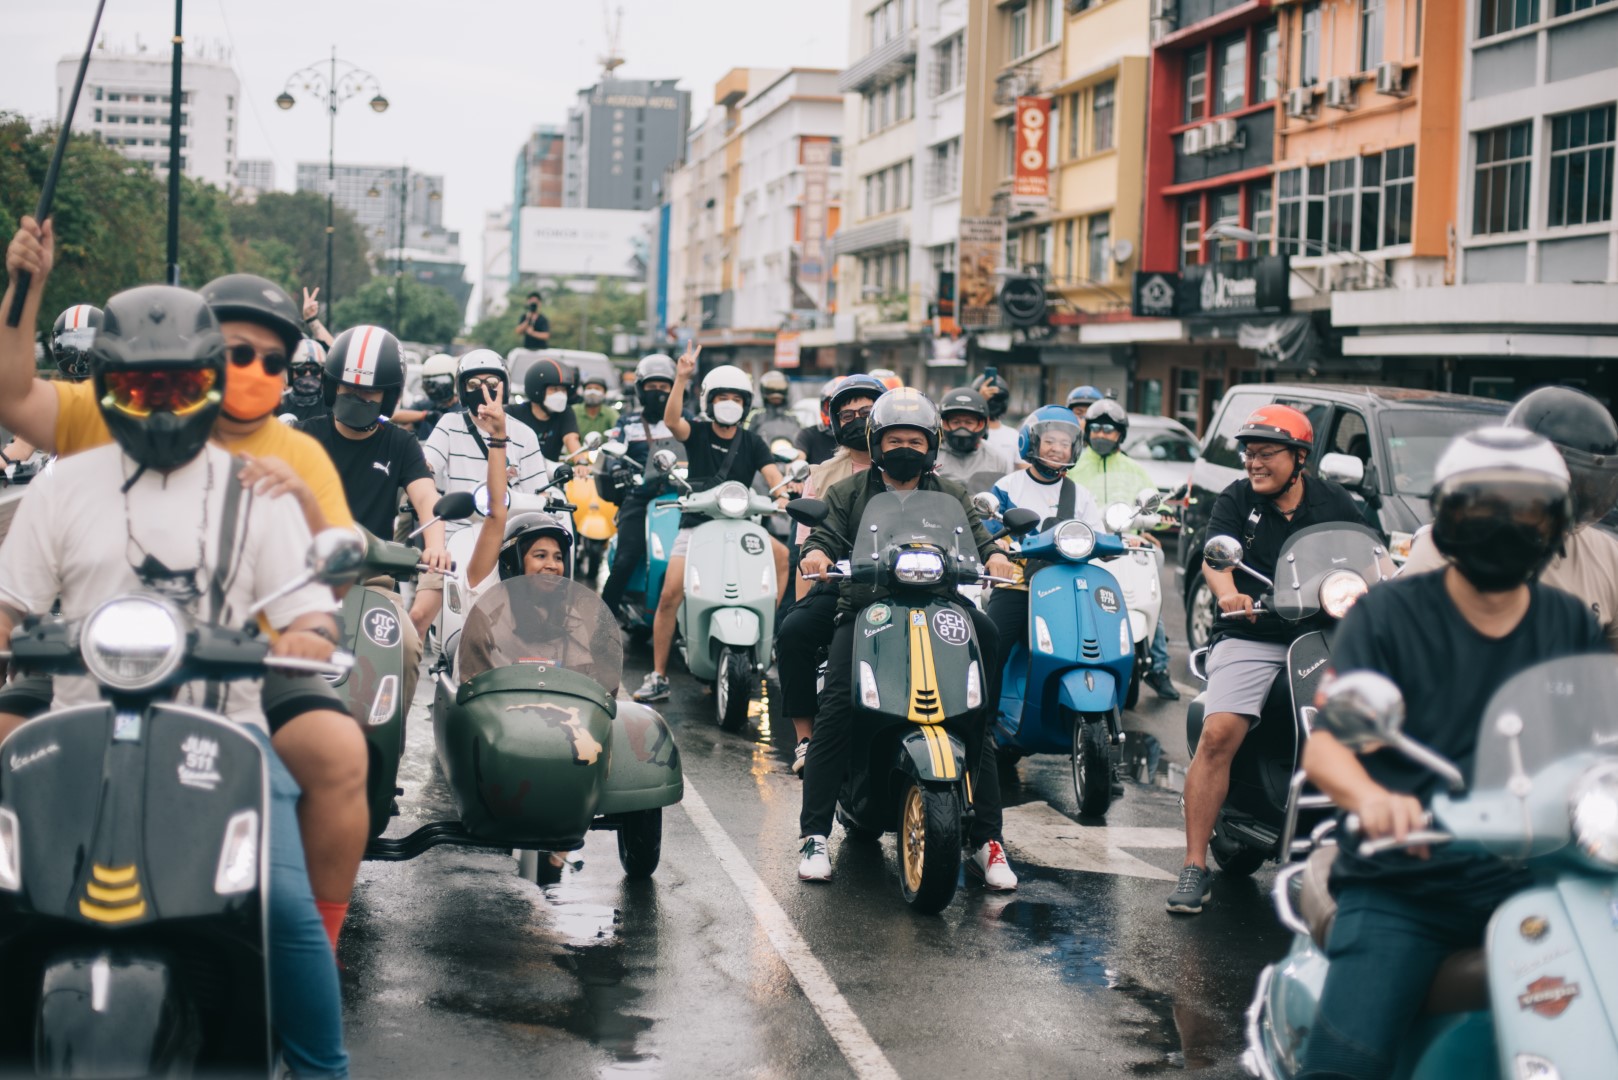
(861, 1051)
(1043, 835)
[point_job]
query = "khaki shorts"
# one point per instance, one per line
(430, 581)
(1239, 676)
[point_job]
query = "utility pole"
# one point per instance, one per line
(174, 148)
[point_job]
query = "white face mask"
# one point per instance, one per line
(556, 402)
(727, 413)
(594, 397)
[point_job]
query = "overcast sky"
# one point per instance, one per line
(467, 79)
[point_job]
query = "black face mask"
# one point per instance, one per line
(306, 389)
(654, 402)
(1499, 562)
(904, 464)
(963, 440)
(357, 413)
(855, 435)
(1104, 445)
(439, 391)
(776, 400)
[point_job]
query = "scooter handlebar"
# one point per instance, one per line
(1423, 837)
(339, 664)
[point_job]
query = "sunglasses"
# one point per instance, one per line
(243, 354)
(1102, 428)
(473, 385)
(142, 393)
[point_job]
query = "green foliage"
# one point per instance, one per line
(570, 313)
(427, 313)
(279, 224)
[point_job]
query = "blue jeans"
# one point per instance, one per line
(1160, 648)
(306, 1007)
(1384, 949)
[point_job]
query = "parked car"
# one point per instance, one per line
(583, 363)
(1395, 433)
(1162, 446)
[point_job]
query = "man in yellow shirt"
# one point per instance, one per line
(313, 733)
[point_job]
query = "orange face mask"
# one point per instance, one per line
(249, 392)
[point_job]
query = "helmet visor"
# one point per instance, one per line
(140, 393)
(1054, 443)
(1595, 483)
(78, 339)
(1482, 509)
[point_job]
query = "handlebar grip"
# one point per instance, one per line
(1234, 615)
(1419, 838)
(828, 576)
(423, 568)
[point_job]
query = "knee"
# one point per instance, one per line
(324, 750)
(1222, 735)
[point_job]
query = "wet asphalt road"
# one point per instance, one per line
(458, 966)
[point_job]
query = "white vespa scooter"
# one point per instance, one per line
(1139, 572)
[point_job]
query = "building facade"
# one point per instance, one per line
(384, 197)
(621, 136)
(253, 178)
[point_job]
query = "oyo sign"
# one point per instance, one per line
(1033, 177)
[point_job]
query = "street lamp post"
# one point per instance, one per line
(324, 81)
(404, 184)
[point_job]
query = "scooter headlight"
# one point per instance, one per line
(132, 642)
(732, 499)
(1075, 540)
(238, 855)
(10, 852)
(1534, 1067)
(1593, 806)
(1339, 590)
(919, 567)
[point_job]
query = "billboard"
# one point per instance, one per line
(982, 248)
(1031, 186)
(571, 242)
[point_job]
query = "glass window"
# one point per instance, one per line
(1314, 210)
(947, 65)
(1568, 7)
(1150, 401)
(1340, 205)
(1261, 210)
(1499, 16)
(1101, 103)
(1500, 182)
(1017, 33)
(1225, 208)
(1073, 125)
(1309, 45)
(1398, 194)
(1267, 80)
(1008, 145)
(1371, 12)
(1581, 167)
(1370, 203)
(1188, 397)
(1196, 83)
(1050, 29)
(1070, 258)
(1231, 73)
(1190, 230)
(1100, 247)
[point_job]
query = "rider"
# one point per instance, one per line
(69, 347)
(964, 457)
(438, 384)
(716, 450)
(1080, 398)
(303, 398)
(547, 411)
(772, 393)
(1449, 640)
(642, 432)
(157, 367)
(1276, 499)
(903, 433)
(1584, 431)
(1113, 477)
(807, 626)
(592, 413)
(997, 397)
(817, 443)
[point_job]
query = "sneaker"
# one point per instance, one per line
(800, 754)
(815, 864)
(988, 864)
(1162, 685)
(655, 688)
(1194, 889)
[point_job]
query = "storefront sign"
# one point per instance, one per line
(1022, 301)
(1157, 294)
(982, 249)
(1032, 183)
(1226, 287)
(788, 351)
(815, 156)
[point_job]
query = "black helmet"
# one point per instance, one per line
(521, 532)
(998, 401)
(75, 329)
(852, 387)
(904, 407)
(250, 298)
(1501, 506)
(369, 357)
(1584, 431)
(963, 399)
(158, 362)
(543, 374)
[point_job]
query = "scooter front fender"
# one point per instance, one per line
(738, 627)
(1088, 690)
(931, 755)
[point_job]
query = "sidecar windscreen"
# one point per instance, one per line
(543, 619)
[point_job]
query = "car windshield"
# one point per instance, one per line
(1547, 713)
(1310, 554)
(1161, 444)
(546, 620)
(1416, 437)
(901, 518)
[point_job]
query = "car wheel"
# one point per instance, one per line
(1199, 613)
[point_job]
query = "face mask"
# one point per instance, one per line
(306, 389)
(250, 394)
(727, 413)
(1104, 446)
(555, 402)
(594, 397)
(904, 464)
(855, 436)
(439, 390)
(357, 413)
(963, 440)
(654, 402)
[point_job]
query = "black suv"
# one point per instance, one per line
(1396, 433)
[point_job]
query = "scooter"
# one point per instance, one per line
(918, 678)
(726, 625)
(1139, 572)
(595, 523)
(1540, 999)
(662, 527)
(134, 850)
(1324, 570)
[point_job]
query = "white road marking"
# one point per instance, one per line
(861, 1051)
(1043, 835)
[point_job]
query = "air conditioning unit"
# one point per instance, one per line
(1221, 135)
(1390, 78)
(1158, 29)
(1194, 141)
(1301, 102)
(1076, 6)
(1164, 9)
(1340, 93)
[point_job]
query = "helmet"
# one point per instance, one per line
(1107, 412)
(726, 377)
(1584, 431)
(887, 377)
(1278, 424)
(772, 382)
(309, 351)
(307, 368)
(904, 407)
(438, 378)
(595, 380)
(1083, 395)
(366, 356)
(70, 340)
(543, 374)
(479, 362)
(254, 299)
(963, 399)
(1000, 398)
(1501, 506)
(521, 531)
(655, 366)
(1046, 420)
(825, 401)
(852, 387)
(158, 362)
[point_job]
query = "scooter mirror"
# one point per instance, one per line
(561, 474)
(798, 471)
(1362, 708)
(336, 557)
(1118, 517)
(987, 505)
(613, 449)
(592, 441)
(1222, 552)
(783, 451)
(481, 499)
(1147, 500)
(664, 461)
(1019, 520)
(456, 506)
(807, 512)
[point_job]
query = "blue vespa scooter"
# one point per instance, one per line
(662, 527)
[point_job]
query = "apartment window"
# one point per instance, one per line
(1568, 7)
(1581, 167)
(1017, 35)
(949, 64)
(1371, 12)
(1101, 108)
(884, 106)
(1309, 45)
(1261, 211)
(1070, 254)
(1049, 27)
(1196, 84)
(1190, 230)
(1231, 74)
(1267, 83)
(1073, 104)
(1008, 149)
(1500, 182)
(1500, 16)
(885, 23)
(1398, 194)
(1340, 190)
(1225, 208)
(1370, 203)
(944, 169)
(1100, 247)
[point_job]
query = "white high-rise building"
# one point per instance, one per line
(126, 101)
(254, 178)
(374, 195)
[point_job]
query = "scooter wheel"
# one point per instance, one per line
(929, 848)
(733, 689)
(640, 842)
(1092, 766)
(1238, 860)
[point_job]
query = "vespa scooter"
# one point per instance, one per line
(662, 528)
(1139, 574)
(595, 522)
(1540, 999)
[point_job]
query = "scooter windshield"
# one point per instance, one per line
(543, 619)
(896, 519)
(1311, 554)
(1545, 714)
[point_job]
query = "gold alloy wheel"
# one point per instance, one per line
(913, 838)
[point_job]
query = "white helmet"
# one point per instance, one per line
(1501, 506)
(1510, 450)
(438, 364)
(726, 377)
(480, 362)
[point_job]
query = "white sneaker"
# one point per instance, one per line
(815, 864)
(988, 864)
(800, 754)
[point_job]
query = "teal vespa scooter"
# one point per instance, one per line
(1540, 999)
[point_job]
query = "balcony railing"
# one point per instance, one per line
(880, 64)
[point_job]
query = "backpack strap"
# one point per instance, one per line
(1067, 500)
(224, 562)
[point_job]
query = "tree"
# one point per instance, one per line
(579, 320)
(279, 222)
(427, 313)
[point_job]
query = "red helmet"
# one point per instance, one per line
(1278, 424)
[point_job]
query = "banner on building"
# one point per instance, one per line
(788, 351)
(982, 249)
(815, 156)
(1031, 187)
